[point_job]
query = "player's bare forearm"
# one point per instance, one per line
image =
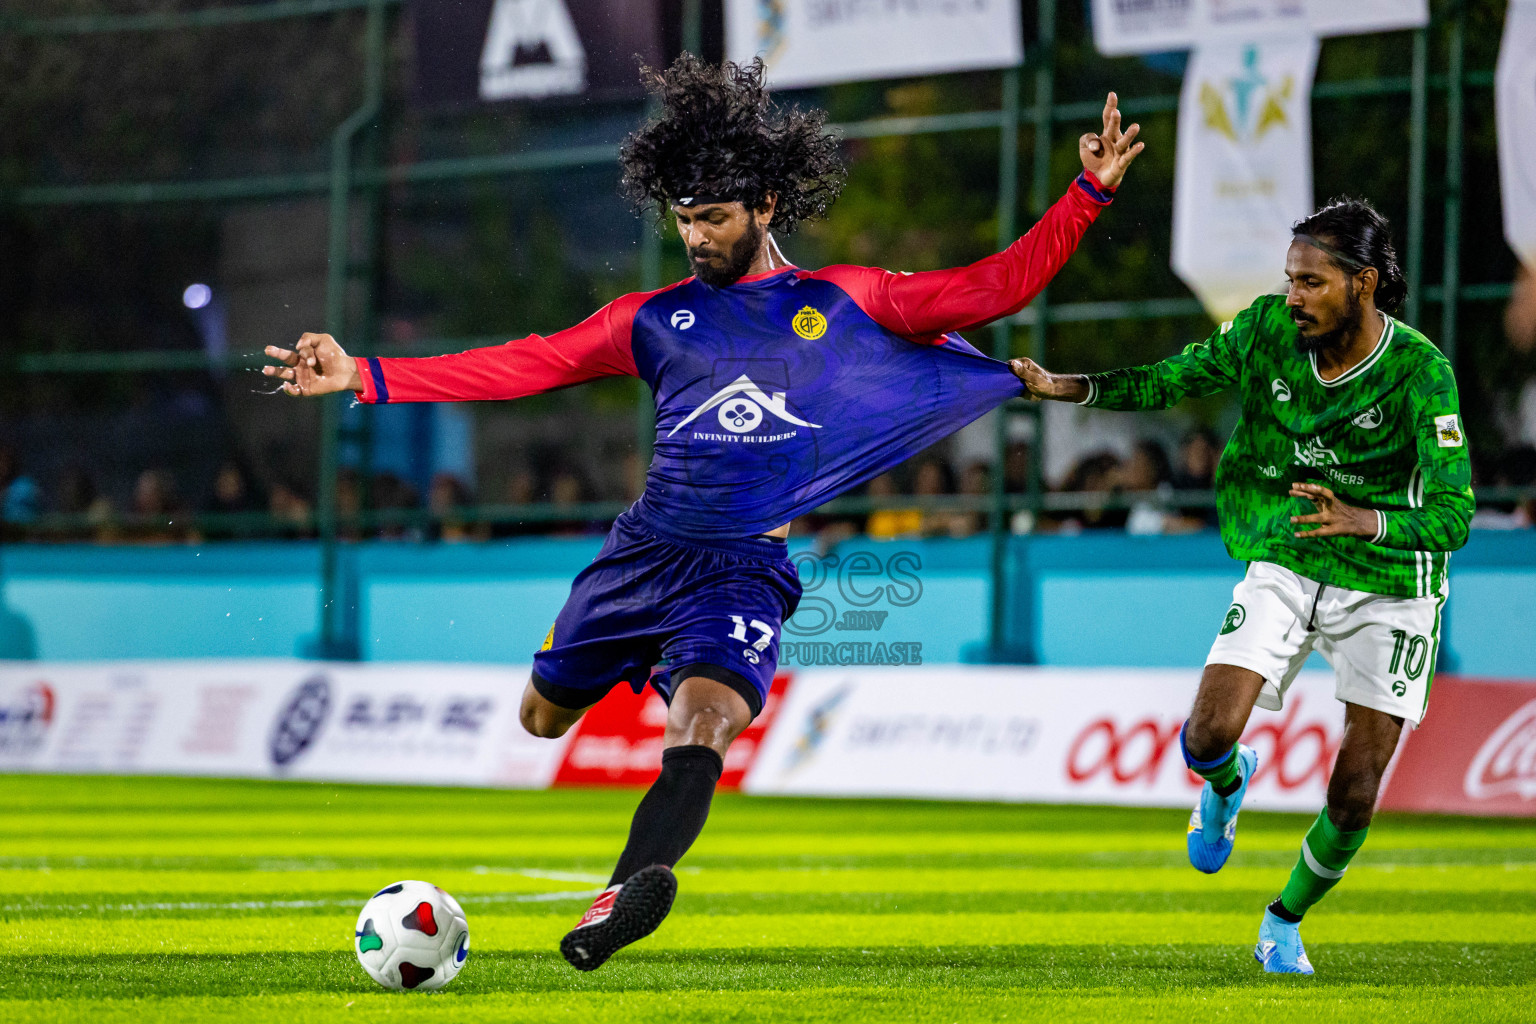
(1046, 386)
(1333, 517)
(317, 365)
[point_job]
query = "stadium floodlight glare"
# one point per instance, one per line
(196, 296)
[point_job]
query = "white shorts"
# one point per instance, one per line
(1382, 648)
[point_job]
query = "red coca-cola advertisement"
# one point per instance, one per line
(618, 742)
(1474, 754)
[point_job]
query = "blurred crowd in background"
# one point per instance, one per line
(1149, 491)
(1137, 484)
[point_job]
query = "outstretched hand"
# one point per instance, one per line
(1110, 152)
(315, 366)
(1333, 518)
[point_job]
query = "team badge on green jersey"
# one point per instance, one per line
(1448, 431)
(1368, 420)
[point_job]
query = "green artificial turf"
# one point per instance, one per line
(191, 900)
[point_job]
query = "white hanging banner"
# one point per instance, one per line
(1150, 26)
(815, 42)
(1515, 95)
(1243, 174)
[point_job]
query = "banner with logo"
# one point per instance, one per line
(1152, 26)
(1243, 171)
(1515, 96)
(1089, 736)
(619, 742)
(1474, 754)
(813, 42)
(473, 50)
(432, 724)
(1095, 736)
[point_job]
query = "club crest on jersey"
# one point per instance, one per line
(1368, 420)
(1314, 454)
(742, 406)
(1448, 431)
(1280, 389)
(809, 323)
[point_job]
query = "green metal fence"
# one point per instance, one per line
(355, 171)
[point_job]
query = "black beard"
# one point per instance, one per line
(1349, 323)
(737, 261)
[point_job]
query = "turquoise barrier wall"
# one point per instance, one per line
(1088, 600)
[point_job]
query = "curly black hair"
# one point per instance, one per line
(719, 134)
(1360, 237)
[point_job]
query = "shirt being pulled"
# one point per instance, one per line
(783, 390)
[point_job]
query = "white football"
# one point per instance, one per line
(412, 935)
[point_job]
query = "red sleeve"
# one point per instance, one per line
(928, 305)
(599, 346)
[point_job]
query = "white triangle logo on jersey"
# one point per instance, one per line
(532, 49)
(743, 404)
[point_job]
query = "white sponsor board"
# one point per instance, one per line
(814, 42)
(1243, 170)
(410, 723)
(532, 50)
(1097, 736)
(1150, 26)
(1515, 95)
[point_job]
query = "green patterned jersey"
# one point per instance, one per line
(1387, 435)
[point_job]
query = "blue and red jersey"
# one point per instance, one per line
(781, 391)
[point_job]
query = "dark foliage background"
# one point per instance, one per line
(534, 252)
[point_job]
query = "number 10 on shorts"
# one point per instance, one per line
(1417, 650)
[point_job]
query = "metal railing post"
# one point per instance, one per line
(645, 414)
(1023, 647)
(1002, 348)
(1039, 200)
(1454, 131)
(1418, 126)
(337, 630)
(693, 27)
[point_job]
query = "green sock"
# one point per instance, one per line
(1224, 776)
(1325, 853)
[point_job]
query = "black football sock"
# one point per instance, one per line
(1229, 788)
(673, 811)
(1278, 909)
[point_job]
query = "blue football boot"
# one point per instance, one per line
(1213, 825)
(1280, 949)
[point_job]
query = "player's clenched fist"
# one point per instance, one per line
(315, 366)
(1042, 384)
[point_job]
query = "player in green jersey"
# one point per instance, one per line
(1345, 487)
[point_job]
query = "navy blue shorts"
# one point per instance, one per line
(714, 608)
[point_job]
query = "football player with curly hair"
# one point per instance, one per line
(777, 388)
